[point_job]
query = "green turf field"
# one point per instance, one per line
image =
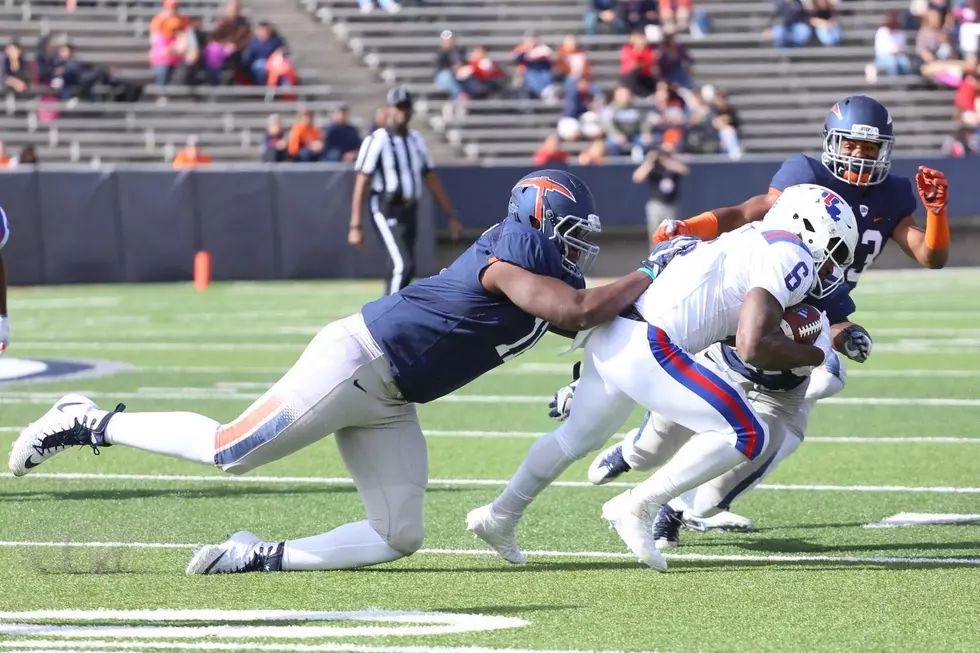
(901, 439)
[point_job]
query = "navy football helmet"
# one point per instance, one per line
(858, 118)
(561, 206)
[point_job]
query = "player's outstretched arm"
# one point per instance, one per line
(556, 302)
(852, 340)
(710, 224)
(929, 246)
(760, 342)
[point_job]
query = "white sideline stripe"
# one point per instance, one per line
(60, 646)
(533, 435)
(458, 482)
(602, 555)
(923, 519)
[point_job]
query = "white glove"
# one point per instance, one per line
(561, 403)
(4, 333)
(823, 342)
(857, 343)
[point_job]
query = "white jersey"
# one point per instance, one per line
(697, 298)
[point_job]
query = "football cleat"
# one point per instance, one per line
(67, 424)
(499, 532)
(636, 530)
(667, 527)
(608, 465)
(723, 521)
(241, 553)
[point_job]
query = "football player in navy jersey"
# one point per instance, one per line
(855, 164)
(361, 377)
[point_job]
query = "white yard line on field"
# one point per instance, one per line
(456, 482)
(602, 555)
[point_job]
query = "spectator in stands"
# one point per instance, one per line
(621, 121)
(367, 6)
(968, 18)
(191, 156)
(165, 55)
(675, 61)
(603, 14)
(260, 49)
(449, 63)
(790, 24)
(964, 142)
(935, 52)
(168, 22)
(228, 39)
(274, 147)
(550, 152)
(534, 61)
(637, 14)
(725, 121)
(77, 80)
(46, 59)
(490, 79)
(573, 61)
(27, 156)
(16, 78)
(668, 115)
(4, 156)
(579, 113)
(638, 65)
(663, 172)
(890, 47)
(594, 154)
(305, 140)
(190, 44)
(341, 140)
(675, 14)
(823, 20)
(965, 103)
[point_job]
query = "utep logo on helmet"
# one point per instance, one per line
(833, 204)
(544, 186)
(866, 132)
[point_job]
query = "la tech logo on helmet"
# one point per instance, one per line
(833, 204)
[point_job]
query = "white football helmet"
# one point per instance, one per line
(826, 225)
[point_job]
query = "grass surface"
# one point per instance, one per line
(897, 589)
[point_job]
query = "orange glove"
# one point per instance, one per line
(668, 229)
(933, 189)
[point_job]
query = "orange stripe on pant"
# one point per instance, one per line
(228, 435)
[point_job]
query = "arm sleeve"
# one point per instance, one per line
(367, 158)
(428, 165)
(4, 229)
(784, 269)
(795, 170)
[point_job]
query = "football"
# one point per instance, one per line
(801, 323)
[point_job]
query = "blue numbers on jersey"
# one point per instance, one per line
(515, 349)
(876, 241)
(799, 272)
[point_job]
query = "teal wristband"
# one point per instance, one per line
(648, 272)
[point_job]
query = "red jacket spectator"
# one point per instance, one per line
(550, 152)
(642, 59)
(485, 68)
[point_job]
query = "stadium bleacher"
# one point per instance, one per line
(782, 95)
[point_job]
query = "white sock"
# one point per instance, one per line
(685, 502)
(346, 547)
(182, 435)
(545, 462)
(701, 459)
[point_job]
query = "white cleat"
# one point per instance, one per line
(52, 434)
(498, 532)
(723, 521)
(240, 553)
(636, 531)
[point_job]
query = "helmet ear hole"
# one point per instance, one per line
(808, 225)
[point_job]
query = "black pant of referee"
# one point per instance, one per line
(396, 223)
(393, 164)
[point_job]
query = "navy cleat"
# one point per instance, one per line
(69, 424)
(608, 465)
(241, 553)
(667, 527)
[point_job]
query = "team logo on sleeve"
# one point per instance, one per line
(544, 185)
(863, 208)
(833, 204)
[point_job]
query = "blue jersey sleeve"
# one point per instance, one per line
(838, 305)
(906, 198)
(795, 170)
(526, 248)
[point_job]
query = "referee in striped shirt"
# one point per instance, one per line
(392, 165)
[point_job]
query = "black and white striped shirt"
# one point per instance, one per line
(396, 163)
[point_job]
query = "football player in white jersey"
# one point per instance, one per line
(4, 321)
(736, 285)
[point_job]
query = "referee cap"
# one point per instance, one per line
(400, 96)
